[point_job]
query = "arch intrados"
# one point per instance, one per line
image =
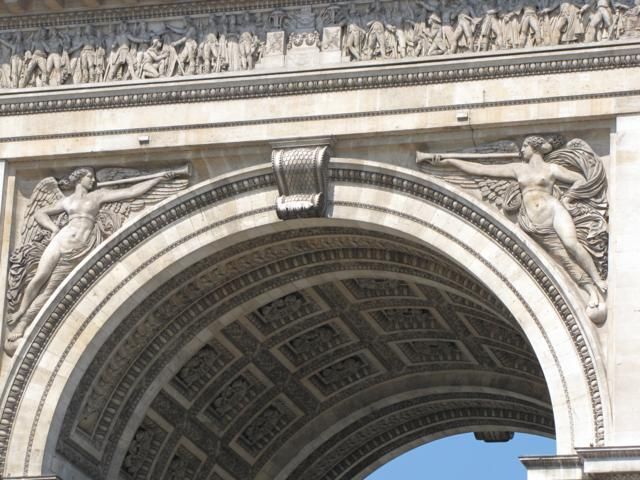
(364, 217)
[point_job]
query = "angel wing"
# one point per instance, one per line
(23, 261)
(113, 214)
(502, 193)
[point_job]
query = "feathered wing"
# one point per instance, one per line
(23, 261)
(587, 201)
(502, 193)
(112, 215)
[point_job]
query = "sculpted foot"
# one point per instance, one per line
(18, 332)
(594, 299)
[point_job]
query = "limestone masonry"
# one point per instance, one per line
(293, 240)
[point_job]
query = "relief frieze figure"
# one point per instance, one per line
(556, 191)
(211, 43)
(60, 229)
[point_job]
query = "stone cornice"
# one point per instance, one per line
(556, 461)
(313, 118)
(365, 75)
(594, 453)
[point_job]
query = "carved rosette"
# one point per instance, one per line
(301, 175)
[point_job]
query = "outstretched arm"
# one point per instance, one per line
(502, 171)
(107, 195)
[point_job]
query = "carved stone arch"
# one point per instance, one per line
(392, 206)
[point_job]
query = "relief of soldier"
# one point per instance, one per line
(375, 30)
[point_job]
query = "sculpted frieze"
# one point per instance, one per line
(106, 51)
(66, 219)
(556, 192)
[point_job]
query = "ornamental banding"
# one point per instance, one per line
(300, 37)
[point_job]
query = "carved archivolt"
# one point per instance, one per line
(237, 41)
(317, 344)
(317, 333)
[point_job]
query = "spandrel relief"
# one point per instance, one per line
(64, 221)
(210, 43)
(556, 191)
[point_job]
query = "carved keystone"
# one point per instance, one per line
(301, 173)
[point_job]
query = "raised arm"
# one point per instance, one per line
(502, 171)
(177, 43)
(108, 195)
(43, 216)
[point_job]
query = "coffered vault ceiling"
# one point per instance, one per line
(310, 353)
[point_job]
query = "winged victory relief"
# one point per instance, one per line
(65, 219)
(555, 190)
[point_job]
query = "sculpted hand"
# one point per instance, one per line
(566, 202)
(437, 160)
(169, 175)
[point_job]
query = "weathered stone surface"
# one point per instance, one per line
(206, 338)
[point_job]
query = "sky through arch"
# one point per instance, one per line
(462, 456)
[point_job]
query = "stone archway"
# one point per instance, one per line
(209, 267)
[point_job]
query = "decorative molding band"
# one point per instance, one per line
(51, 319)
(595, 463)
(380, 75)
(46, 477)
(563, 462)
(315, 118)
(594, 453)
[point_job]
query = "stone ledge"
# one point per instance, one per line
(591, 463)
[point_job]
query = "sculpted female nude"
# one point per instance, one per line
(542, 213)
(71, 242)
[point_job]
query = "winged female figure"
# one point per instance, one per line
(558, 194)
(61, 229)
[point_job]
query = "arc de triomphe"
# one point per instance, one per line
(294, 239)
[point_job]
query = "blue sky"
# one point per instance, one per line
(463, 457)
